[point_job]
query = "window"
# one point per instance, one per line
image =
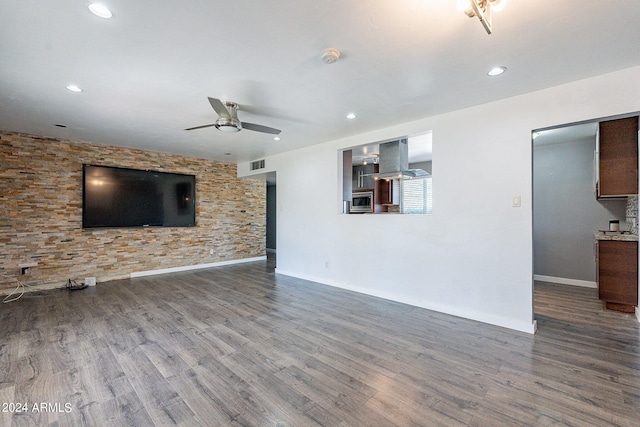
(417, 196)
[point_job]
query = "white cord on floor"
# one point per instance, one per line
(11, 297)
(22, 287)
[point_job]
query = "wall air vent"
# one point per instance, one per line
(258, 164)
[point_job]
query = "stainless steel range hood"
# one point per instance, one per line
(394, 162)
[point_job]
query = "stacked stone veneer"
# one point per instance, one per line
(41, 214)
(632, 214)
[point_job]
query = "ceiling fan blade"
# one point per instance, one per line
(260, 128)
(220, 108)
(200, 127)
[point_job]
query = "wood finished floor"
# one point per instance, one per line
(241, 346)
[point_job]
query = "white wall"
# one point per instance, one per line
(473, 256)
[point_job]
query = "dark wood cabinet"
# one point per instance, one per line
(384, 190)
(618, 274)
(617, 157)
(387, 195)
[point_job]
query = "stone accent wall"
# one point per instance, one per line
(41, 214)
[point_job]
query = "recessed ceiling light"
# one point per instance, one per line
(276, 138)
(496, 71)
(100, 10)
(74, 88)
(351, 116)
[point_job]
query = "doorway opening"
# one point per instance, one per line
(271, 220)
(568, 214)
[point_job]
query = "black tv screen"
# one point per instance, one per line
(119, 197)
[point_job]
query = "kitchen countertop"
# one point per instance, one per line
(613, 235)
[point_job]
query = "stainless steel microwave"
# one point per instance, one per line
(362, 202)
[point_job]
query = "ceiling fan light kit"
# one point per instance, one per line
(228, 127)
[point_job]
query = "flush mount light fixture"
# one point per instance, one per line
(100, 10)
(351, 116)
(482, 9)
(276, 138)
(74, 88)
(496, 71)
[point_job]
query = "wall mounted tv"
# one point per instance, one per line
(119, 197)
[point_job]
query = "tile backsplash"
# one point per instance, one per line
(632, 214)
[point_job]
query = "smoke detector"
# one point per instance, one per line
(330, 55)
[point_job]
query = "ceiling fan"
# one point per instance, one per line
(228, 119)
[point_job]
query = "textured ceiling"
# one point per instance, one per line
(146, 74)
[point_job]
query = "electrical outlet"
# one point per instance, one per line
(25, 267)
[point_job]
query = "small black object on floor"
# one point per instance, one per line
(72, 285)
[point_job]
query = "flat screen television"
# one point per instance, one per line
(120, 197)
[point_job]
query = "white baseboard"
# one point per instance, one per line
(196, 267)
(638, 313)
(564, 281)
(528, 327)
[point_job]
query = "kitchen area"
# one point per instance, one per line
(616, 163)
(586, 208)
(389, 177)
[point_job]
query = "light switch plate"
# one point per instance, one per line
(516, 201)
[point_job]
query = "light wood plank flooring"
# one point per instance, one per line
(241, 346)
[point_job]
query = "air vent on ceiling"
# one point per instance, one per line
(258, 164)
